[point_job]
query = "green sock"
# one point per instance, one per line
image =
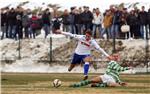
(101, 85)
(82, 83)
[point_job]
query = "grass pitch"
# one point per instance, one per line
(40, 83)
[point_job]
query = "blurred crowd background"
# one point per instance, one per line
(19, 23)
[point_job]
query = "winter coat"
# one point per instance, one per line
(56, 23)
(97, 19)
(87, 17)
(148, 17)
(78, 19)
(12, 18)
(25, 21)
(36, 23)
(46, 18)
(3, 19)
(65, 19)
(142, 17)
(107, 21)
(132, 19)
(116, 18)
(72, 18)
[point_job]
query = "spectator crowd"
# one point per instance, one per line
(22, 23)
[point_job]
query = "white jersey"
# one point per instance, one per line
(84, 47)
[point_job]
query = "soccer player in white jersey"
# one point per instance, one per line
(109, 79)
(83, 50)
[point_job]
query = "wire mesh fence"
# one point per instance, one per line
(54, 50)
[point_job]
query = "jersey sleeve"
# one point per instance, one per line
(115, 66)
(98, 48)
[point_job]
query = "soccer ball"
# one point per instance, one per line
(56, 83)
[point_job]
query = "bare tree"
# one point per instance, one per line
(23, 3)
(55, 8)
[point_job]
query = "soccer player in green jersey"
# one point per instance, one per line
(109, 79)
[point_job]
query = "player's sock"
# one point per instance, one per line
(82, 83)
(100, 85)
(86, 68)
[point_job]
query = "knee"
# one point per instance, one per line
(93, 85)
(88, 59)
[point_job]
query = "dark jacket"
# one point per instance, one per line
(142, 17)
(148, 17)
(87, 17)
(25, 20)
(46, 18)
(132, 19)
(78, 19)
(3, 19)
(12, 18)
(72, 18)
(56, 23)
(19, 25)
(117, 18)
(65, 19)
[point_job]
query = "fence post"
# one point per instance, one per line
(114, 39)
(146, 49)
(19, 57)
(114, 34)
(50, 53)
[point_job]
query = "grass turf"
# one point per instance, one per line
(40, 83)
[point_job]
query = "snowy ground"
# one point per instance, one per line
(30, 66)
(32, 49)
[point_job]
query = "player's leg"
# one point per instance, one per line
(113, 84)
(71, 67)
(87, 61)
(98, 82)
(86, 82)
(106, 81)
(75, 60)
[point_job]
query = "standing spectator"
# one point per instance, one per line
(3, 22)
(56, 23)
(107, 22)
(66, 20)
(148, 20)
(132, 21)
(7, 25)
(142, 18)
(11, 23)
(72, 21)
(19, 26)
(25, 23)
(78, 21)
(138, 34)
(19, 13)
(124, 15)
(97, 22)
(34, 24)
(46, 19)
(87, 18)
(116, 23)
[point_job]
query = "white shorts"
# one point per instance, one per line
(107, 79)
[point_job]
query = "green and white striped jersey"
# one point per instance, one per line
(114, 69)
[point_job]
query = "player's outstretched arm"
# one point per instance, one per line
(122, 83)
(75, 36)
(99, 49)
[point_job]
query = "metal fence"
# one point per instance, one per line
(50, 50)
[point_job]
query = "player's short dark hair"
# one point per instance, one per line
(88, 32)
